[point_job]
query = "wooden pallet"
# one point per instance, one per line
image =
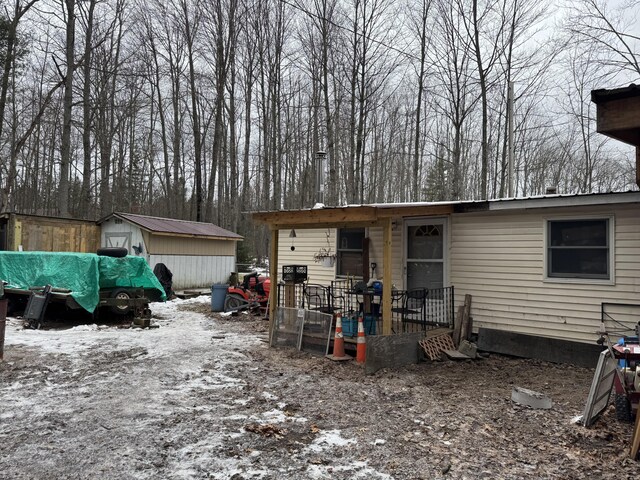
(434, 346)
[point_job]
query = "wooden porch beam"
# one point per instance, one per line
(323, 225)
(387, 280)
(357, 216)
(346, 215)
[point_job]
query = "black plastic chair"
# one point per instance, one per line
(316, 297)
(413, 310)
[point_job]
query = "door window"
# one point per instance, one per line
(425, 255)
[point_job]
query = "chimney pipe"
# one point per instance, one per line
(320, 156)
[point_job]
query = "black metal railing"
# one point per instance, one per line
(411, 310)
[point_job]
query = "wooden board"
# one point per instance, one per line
(456, 355)
(542, 348)
(458, 326)
(465, 329)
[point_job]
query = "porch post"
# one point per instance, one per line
(386, 278)
(273, 275)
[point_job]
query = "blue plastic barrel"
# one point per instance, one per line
(218, 294)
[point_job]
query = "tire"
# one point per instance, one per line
(117, 252)
(623, 408)
(234, 302)
(123, 307)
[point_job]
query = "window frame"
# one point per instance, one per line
(339, 250)
(610, 219)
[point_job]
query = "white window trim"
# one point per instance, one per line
(581, 281)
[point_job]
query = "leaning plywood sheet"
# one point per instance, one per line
(83, 274)
(598, 398)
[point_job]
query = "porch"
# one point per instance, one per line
(416, 310)
(410, 294)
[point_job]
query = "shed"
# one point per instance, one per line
(545, 272)
(198, 254)
(47, 234)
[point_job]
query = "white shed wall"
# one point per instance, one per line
(191, 271)
(110, 227)
(498, 258)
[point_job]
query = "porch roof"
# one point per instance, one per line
(353, 215)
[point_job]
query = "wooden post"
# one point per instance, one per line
(273, 275)
(290, 295)
(387, 277)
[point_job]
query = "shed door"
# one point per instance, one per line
(425, 253)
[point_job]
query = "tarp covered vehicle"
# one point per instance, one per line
(82, 280)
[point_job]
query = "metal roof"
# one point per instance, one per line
(171, 226)
(605, 95)
(322, 214)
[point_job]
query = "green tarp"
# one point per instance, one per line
(82, 273)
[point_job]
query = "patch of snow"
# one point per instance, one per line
(329, 439)
(276, 416)
(577, 419)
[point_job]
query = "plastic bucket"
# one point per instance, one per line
(218, 294)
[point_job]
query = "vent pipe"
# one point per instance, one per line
(320, 157)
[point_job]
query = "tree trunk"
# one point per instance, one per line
(65, 148)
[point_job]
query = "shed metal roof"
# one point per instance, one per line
(171, 226)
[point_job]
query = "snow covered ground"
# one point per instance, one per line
(172, 402)
(202, 396)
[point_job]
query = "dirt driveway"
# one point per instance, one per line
(203, 397)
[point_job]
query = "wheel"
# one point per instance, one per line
(623, 408)
(122, 307)
(234, 302)
(117, 252)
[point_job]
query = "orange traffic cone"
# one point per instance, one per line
(361, 346)
(338, 343)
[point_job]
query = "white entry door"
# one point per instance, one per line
(425, 253)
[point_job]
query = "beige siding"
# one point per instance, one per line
(376, 254)
(498, 258)
(168, 245)
(307, 242)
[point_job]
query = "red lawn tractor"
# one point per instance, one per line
(252, 294)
